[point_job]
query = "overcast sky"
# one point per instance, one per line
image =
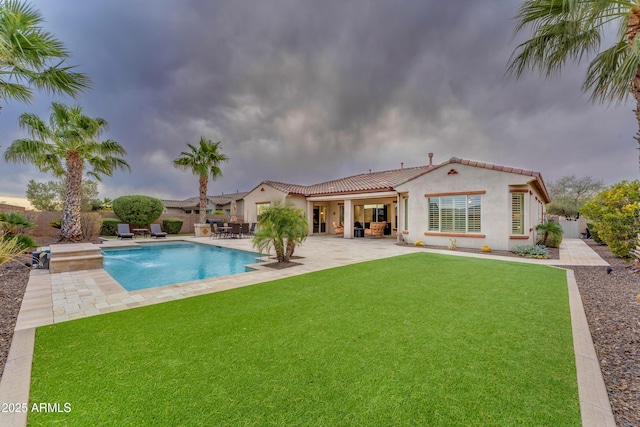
(309, 91)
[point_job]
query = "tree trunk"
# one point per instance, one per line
(71, 230)
(633, 28)
(291, 247)
(204, 180)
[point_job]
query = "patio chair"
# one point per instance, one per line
(338, 229)
(124, 232)
(217, 230)
(157, 232)
(252, 230)
(235, 230)
(244, 229)
(376, 229)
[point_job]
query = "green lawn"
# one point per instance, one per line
(420, 339)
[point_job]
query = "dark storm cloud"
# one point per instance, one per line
(310, 91)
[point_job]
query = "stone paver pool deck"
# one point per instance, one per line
(53, 298)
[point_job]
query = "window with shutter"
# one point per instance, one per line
(517, 213)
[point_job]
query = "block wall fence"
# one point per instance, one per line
(43, 229)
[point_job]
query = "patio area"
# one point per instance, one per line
(53, 298)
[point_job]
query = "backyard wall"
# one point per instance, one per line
(6, 208)
(43, 229)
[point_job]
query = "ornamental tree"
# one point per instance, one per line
(615, 213)
(139, 211)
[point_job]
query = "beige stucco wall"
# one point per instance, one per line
(495, 208)
(267, 194)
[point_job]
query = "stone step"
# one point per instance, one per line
(74, 263)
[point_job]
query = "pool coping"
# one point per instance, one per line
(595, 407)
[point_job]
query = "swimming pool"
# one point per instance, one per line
(150, 265)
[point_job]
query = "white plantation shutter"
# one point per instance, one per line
(455, 214)
(517, 213)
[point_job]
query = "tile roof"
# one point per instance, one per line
(539, 182)
(192, 202)
(362, 183)
(389, 179)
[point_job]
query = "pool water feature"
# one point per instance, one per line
(150, 265)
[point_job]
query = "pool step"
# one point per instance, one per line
(74, 257)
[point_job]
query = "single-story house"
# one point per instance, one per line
(475, 203)
(191, 205)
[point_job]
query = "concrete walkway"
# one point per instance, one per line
(59, 297)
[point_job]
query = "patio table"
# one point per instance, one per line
(141, 232)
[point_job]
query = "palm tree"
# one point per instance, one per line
(62, 148)
(550, 229)
(203, 161)
(32, 57)
(281, 228)
(566, 30)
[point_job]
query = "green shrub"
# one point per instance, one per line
(140, 211)
(593, 231)
(109, 227)
(615, 212)
(13, 223)
(549, 234)
(530, 251)
(218, 212)
(22, 242)
(172, 225)
(56, 223)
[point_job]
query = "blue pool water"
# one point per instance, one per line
(160, 264)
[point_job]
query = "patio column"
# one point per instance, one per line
(310, 217)
(348, 219)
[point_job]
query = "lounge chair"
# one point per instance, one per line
(124, 232)
(338, 229)
(157, 232)
(376, 229)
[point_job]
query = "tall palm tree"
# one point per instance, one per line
(203, 161)
(565, 30)
(62, 148)
(32, 57)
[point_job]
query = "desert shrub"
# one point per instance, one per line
(614, 212)
(22, 242)
(172, 225)
(9, 249)
(139, 211)
(91, 224)
(110, 226)
(549, 234)
(530, 251)
(14, 223)
(56, 223)
(593, 231)
(554, 240)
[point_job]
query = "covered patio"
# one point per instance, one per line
(354, 212)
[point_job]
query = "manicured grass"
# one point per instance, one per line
(420, 339)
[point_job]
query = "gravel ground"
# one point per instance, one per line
(610, 302)
(613, 312)
(13, 282)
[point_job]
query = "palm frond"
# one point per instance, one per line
(34, 125)
(610, 74)
(32, 56)
(16, 91)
